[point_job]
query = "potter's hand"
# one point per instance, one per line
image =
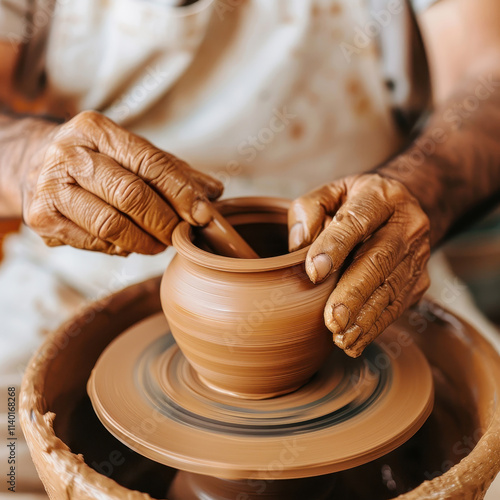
(382, 224)
(98, 187)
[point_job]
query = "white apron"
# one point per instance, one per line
(242, 89)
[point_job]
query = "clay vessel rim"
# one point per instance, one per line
(183, 235)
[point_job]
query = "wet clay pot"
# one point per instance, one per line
(78, 459)
(250, 327)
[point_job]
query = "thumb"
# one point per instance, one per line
(308, 215)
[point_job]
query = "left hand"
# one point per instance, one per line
(382, 224)
(96, 186)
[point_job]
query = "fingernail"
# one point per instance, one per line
(347, 339)
(341, 316)
(354, 353)
(201, 213)
(352, 335)
(338, 339)
(322, 265)
(213, 191)
(296, 236)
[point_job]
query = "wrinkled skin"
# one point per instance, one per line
(96, 186)
(446, 178)
(61, 178)
(383, 224)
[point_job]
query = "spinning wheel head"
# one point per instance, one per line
(351, 412)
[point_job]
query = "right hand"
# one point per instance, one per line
(94, 185)
(378, 223)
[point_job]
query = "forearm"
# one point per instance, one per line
(20, 141)
(453, 168)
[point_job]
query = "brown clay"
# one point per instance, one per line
(223, 239)
(188, 486)
(351, 412)
(252, 328)
(55, 412)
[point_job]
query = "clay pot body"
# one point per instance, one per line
(250, 327)
(78, 459)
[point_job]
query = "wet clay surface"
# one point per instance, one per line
(88, 457)
(351, 411)
(55, 412)
(430, 452)
(223, 239)
(252, 328)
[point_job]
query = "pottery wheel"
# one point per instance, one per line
(352, 411)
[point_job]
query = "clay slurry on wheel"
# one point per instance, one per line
(341, 390)
(348, 414)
